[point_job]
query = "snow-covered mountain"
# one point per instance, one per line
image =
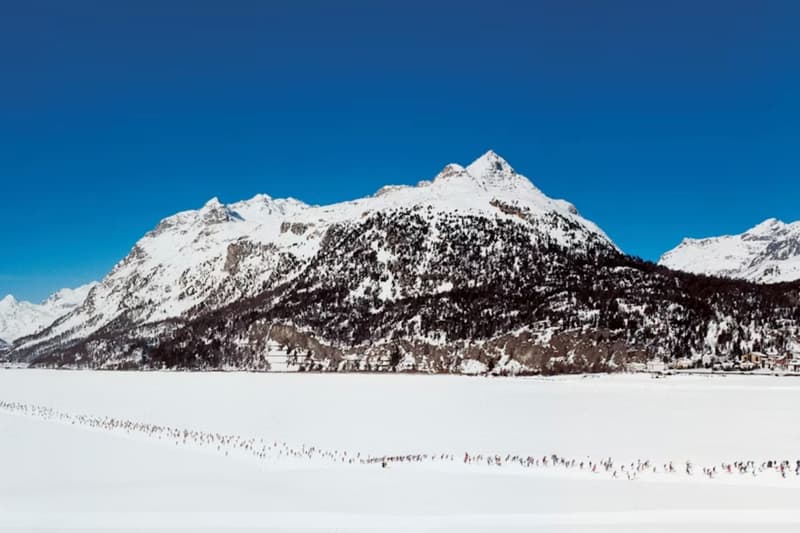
(767, 253)
(21, 318)
(203, 259)
(474, 269)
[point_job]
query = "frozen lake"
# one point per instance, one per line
(59, 473)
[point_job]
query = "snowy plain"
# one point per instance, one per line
(58, 474)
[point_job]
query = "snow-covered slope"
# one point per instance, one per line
(467, 190)
(183, 260)
(59, 475)
(21, 318)
(767, 253)
(198, 260)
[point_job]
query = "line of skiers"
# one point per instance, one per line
(271, 450)
(223, 443)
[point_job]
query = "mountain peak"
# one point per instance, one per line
(215, 212)
(490, 165)
(488, 172)
(453, 169)
(261, 197)
(213, 203)
(770, 225)
(8, 300)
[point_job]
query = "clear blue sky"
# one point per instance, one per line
(659, 120)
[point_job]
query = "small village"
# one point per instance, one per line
(787, 363)
(282, 360)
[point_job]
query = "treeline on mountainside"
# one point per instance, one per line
(393, 283)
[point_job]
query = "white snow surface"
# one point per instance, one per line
(182, 261)
(61, 474)
(766, 253)
(21, 318)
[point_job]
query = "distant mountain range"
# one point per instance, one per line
(767, 253)
(475, 270)
(18, 319)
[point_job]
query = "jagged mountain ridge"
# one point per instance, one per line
(474, 269)
(21, 318)
(766, 253)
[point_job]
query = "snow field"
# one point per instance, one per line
(98, 450)
(274, 452)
